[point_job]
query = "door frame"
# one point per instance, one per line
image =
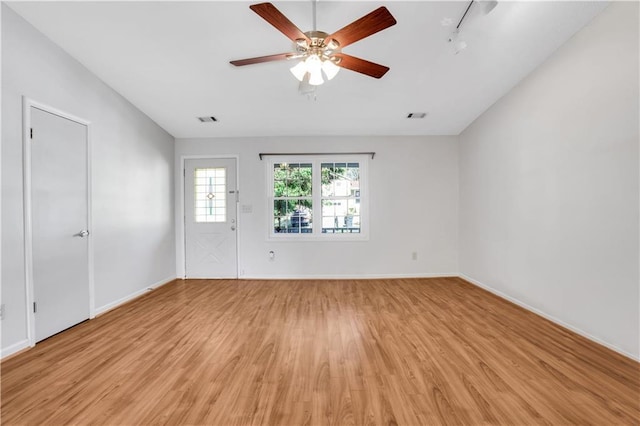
(27, 104)
(181, 238)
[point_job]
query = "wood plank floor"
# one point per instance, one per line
(406, 351)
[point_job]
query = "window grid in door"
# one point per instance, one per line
(210, 187)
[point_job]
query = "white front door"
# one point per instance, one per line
(59, 222)
(210, 205)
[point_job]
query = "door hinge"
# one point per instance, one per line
(31, 133)
(35, 307)
(184, 172)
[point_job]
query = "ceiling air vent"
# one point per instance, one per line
(417, 115)
(207, 119)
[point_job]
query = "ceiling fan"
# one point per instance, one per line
(320, 52)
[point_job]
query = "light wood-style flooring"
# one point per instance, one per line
(402, 351)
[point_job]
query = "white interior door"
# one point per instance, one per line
(59, 221)
(210, 205)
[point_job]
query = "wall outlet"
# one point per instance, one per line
(272, 256)
(414, 255)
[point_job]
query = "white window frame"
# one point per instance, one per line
(316, 162)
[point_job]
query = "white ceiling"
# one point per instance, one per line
(171, 60)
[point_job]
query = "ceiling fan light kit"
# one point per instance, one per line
(330, 69)
(320, 53)
(317, 58)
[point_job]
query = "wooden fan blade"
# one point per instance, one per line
(360, 65)
(259, 59)
(369, 24)
(269, 13)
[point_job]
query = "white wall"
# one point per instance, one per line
(414, 207)
(549, 186)
(132, 174)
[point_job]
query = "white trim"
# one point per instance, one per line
(112, 305)
(27, 104)
(16, 347)
(92, 297)
(1, 181)
(28, 248)
(350, 277)
(181, 238)
(549, 317)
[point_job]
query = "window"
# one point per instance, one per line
(340, 197)
(210, 195)
(317, 197)
(292, 197)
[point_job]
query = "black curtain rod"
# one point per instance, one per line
(267, 154)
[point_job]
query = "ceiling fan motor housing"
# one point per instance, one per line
(318, 46)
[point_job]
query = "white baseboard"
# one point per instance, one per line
(12, 349)
(348, 277)
(549, 317)
(109, 306)
(24, 344)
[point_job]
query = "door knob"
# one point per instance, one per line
(82, 233)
